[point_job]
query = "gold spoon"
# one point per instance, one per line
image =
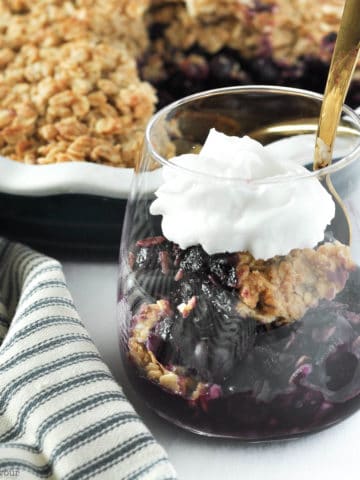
(342, 67)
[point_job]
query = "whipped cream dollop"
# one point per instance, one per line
(229, 210)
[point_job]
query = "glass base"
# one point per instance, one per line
(235, 418)
(281, 439)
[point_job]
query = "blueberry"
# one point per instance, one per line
(315, 72)
(224, 269)
(164, 97)
(156, 30)
(184, 290)
(163, 328)
(195, 68)
(194, 260)
(224, 302)
(226, 69)
(330, 39)
(265, 70)
(154, 253)
(334, 334)
(340, 367)
(174, 341)
(221, 66)
(143, 258)
(159, 338)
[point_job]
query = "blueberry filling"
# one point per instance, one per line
(236, 376)
(195, 70)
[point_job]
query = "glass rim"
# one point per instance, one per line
(332, 168)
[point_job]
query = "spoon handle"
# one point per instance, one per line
(340, 74)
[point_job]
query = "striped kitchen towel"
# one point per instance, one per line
(62, 416)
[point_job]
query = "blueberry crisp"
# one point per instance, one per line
(272, 345)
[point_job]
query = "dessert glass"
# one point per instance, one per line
(230, 345)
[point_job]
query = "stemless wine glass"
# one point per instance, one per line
(231, 344)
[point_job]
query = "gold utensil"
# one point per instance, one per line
(341, 71)
(342, 67)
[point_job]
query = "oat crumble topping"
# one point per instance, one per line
(69, 86)
(283, 288)
(69, 79)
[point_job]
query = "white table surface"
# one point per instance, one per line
(329, 455)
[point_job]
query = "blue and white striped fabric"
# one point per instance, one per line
(62, 416)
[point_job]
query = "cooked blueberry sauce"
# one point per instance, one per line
(264, 382)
